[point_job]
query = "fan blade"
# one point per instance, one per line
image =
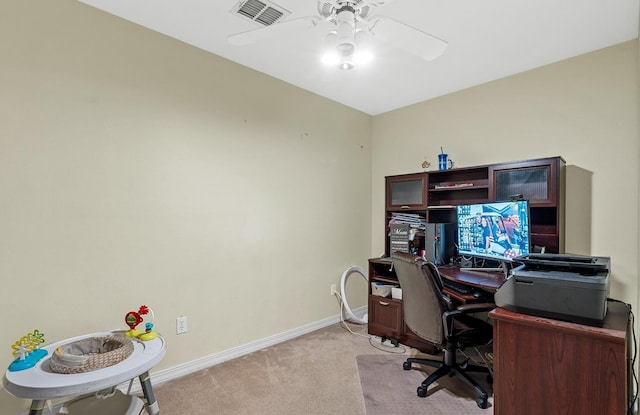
(378, 2)
(408, 38)
(276, 29)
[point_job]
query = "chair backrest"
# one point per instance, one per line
(422, 300)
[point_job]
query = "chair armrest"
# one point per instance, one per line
(476, 307)
(448, 316)
(468, 309)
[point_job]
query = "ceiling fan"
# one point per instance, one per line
(349, 26)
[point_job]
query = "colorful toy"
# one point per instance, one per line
(133, 319)
(27, 351)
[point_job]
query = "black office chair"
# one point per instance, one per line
(430, 314)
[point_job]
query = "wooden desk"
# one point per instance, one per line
(547, 367)
(386, 315)
(486, 281)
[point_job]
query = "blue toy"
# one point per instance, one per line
(27, 351)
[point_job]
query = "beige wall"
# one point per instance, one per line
(584, 109)
(135, 169)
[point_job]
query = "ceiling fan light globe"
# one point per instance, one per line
(346, 65)
(345, 48)
(330, 40)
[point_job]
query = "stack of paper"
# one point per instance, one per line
(414, 221)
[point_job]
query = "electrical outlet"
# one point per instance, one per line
(333, 290)
(181, 325)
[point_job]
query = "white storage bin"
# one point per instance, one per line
(396, 292)
(381, 290)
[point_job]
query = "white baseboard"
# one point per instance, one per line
(206, 362)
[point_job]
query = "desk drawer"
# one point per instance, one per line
(385, 317)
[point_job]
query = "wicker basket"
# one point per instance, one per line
(90, 354)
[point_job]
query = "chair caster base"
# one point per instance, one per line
(482, 402)
(422, 391)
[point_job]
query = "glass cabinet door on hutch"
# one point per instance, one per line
(542, 183)
(406, 203)
(406, 191)
(536, 180)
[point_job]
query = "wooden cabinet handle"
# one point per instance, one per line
(404, 207)
(383, 303)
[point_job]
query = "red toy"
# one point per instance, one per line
(133, 319)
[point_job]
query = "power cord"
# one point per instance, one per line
(388, 349)
(634, 356)
(343, 322)
(486, 359)
(633, 362)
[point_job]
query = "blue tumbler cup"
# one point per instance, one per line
(443, 162)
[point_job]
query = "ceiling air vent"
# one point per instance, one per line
(264, 12)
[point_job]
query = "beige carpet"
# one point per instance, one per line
(315, 374)
(390, 390)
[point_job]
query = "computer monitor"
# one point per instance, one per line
(497, 230)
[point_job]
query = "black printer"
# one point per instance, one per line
(572, 288)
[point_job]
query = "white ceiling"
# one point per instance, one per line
(488, 40)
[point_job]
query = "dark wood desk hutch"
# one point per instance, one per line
(434, 195)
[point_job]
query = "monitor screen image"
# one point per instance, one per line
(496, 230)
